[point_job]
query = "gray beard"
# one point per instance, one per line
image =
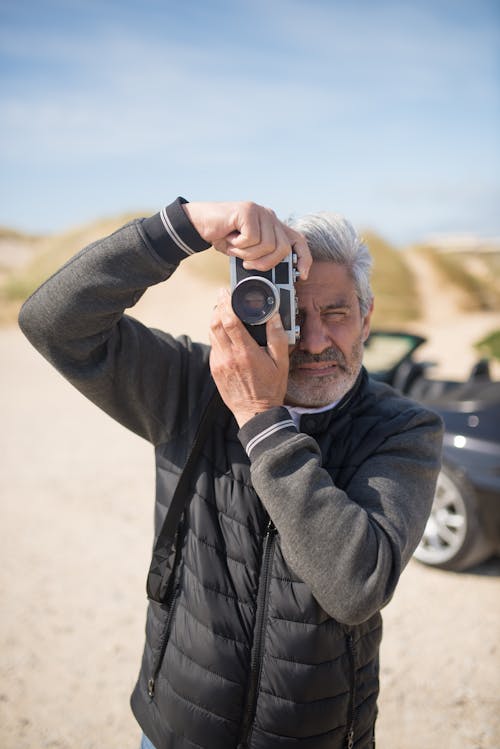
(329, 389)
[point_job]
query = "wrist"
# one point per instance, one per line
(171, 233)
(265, 429)
(244, 416)
(194, 214)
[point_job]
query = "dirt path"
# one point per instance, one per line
(451, 332)
(75, 536)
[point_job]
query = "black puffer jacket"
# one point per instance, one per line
(285, 557)
(243, 655)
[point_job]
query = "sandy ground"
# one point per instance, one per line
(75, 535)
(450, 331)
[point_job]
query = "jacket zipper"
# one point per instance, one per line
(352, 677)
(170, 605)
(164, 642)
(256, 657)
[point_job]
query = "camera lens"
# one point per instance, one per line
(255, 299)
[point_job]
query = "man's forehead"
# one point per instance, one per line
(327, 301)
(328, 284)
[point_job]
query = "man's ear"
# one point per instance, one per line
(367, 321)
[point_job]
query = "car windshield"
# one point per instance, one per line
(383, 351)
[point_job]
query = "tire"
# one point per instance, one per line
(453, 538)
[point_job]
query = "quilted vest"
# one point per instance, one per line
(242, 656)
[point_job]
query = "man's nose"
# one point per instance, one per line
(314, 337)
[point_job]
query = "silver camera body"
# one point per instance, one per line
(256, 295)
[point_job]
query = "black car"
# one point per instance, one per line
(464, 526)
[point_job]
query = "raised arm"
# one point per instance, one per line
(76, 318)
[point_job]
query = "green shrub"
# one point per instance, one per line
(490, 345)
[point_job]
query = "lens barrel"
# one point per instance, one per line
(255, 299)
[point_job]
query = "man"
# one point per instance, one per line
(308, 498)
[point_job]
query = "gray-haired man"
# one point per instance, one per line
(309, 495)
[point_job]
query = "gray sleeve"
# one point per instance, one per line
(76, 320)
(349, 546)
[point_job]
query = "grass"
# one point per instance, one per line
(49, 253)
(489, 346)
(396, 299)
(7, 233)
(476, 293)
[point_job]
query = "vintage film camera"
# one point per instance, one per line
(255, 295)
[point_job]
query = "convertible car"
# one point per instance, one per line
(464, 526)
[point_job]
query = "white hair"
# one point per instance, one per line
(332, 238)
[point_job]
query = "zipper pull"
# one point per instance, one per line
(350, 738)
(151, 687)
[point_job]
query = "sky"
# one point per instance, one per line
(387, 112)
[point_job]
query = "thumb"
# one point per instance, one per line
(277, 339)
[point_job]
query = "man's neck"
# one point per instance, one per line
(297, 411)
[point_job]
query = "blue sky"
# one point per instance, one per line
(385, 111)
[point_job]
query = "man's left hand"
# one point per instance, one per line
(250, 378)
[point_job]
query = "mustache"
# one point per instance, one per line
(332, 354)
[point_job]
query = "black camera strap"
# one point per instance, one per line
(163, 559)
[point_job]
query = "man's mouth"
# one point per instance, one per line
(328, 362)
(317, 369)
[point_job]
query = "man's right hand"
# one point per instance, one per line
(250, 232)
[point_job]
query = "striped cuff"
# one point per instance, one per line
(172, 235)
(266, 430)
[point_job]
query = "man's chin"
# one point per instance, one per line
(317, 395)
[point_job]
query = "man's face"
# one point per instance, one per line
(325, 362)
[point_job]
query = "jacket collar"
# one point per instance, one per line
(319, 422)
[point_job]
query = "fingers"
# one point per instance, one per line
(249, 377)
(227, 332)
(277, 340)
(257, 233)
(273, 241)
(223, 223)
(250, 232)
(301, 249)
(251, 223)
(275, 246)
(226, 329)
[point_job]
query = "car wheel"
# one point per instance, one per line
(453, 538)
